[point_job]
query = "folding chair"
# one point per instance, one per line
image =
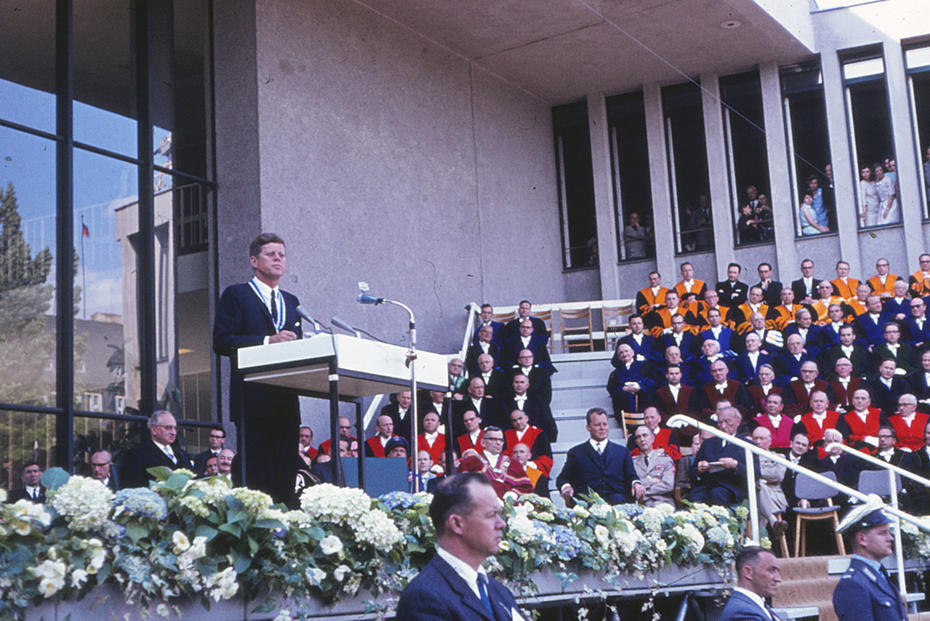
(613, 318)
(805, 487)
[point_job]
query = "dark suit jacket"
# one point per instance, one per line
(488, 412)
(772, 294)
(540, 382)
(668, 405)
(513, 329)
(631, 402)
(438, 593)
(402, 428)
(270, 416)
(200, 461)
(906, 359)
(864, 594)
(648, 348)
(741, 608)
(496, 327)
(915, 334)
(732, 294)
(801, 292)
(870, 332)
(514, 345)
(146, 455)
(611, 474)
(20, 494)
(861, 360)
(536, 410)
(886, 398)
(918, 384)
(474, 350)
(711, 450)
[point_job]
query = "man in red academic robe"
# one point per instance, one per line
(909, 424)
(431, 440)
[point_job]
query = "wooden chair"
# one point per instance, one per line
(632, 420)
(546, 318)
(806, 487)
(581, 329)
(613, 318)
(504, 317)
(781, 539)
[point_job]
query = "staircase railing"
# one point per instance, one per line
(680, 420)
(893, 487)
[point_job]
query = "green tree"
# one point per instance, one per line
(27, 345)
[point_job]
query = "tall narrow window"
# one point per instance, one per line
(687, 162)
(747, 161)
(879, 199)
(808, 149)
(576, 185)
(629, 152)
(917, 61)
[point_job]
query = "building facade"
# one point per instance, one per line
(442, 152)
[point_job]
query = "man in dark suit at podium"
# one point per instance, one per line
(256, 313)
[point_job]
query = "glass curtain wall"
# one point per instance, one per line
(688, 176)
(871, 139)
(747, 160)
(629, 151)
(808, 149)
(97, 206)
(917, 61)
(576, 185)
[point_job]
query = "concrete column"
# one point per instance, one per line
(844, 169)
(658, 179)
(908, 175)
(718, 178)
(604, 209)
(776, 150)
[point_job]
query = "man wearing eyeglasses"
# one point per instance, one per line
(101, 464)
(216, 439)
(159, 449)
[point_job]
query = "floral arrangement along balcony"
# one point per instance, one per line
(200, 540)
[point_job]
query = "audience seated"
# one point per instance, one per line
(920, 380)
(859, 304)
(835, 460)
(722, 388)
(861, 423)
(762, 387)
(540, 384)
(431, 440)
(484, 345)
(458, 380)
(673, 357)
(805, 287)
(893, 349)
(399, 411)
(512, 328)
(887, 387)
(471, 439)
(817, 420)
(755, 304)
(644, 345)
(916, 326)
(871, 324)
(847, 348)
(748, 363)
(663, 438)
(908, 423)
(898, 306)
(495, 382)
(799, 453)
(772, 501)
(630, 384)
(486, 318)
(659, 321)
(679, 334)
(711, 301)
(882, 283)
(689, 288)
(717, 331)
(843, 285)
(655, 469)
(843, 385)
(539, 479)
(780, 316)
(798, 392)
(375, 445)
(477, 401)
(540, 450)
(652, 297)
(721, 467)
(526, 338)
(830, 327)
(673, 397)
(919, 281)
(771, 289)
(710, 353)
(920, 495)
(825, 299)
(776, 422)
(732, 291)
(538, 412)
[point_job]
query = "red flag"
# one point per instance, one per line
(85, 232)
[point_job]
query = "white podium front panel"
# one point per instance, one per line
(365, 367)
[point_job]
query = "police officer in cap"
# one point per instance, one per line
(865, 592)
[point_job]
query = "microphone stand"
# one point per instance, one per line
(364, 298)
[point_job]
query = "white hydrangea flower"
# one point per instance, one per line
(691, 535)
(85, 503)
(255, 501)
(378, 530)
(341, 572)
(331, 544)
(522, 529)
(222, 585)
(335, 504)
(51, 574)
(580, 511)
(600, 510)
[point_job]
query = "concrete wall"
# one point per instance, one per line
(387, 159)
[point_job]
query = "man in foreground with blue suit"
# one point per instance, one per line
(453, 586)
(257, 313)
(758, 577)
(599, 465)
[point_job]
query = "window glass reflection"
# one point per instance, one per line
(809, 148)
(106, 343)
(576, 185)
(104, 76)
(27, 271)
(632, 189)
(27, 70)
(918, 69)
(688, 177)
(24, 437)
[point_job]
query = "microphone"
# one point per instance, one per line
(308, 317)
(339, 323)
(364, 298)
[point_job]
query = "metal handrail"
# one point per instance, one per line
(893, 486)
(680, 420)
(473, 309)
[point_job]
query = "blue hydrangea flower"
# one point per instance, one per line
(140, 502)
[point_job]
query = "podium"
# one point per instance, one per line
(339, 368)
